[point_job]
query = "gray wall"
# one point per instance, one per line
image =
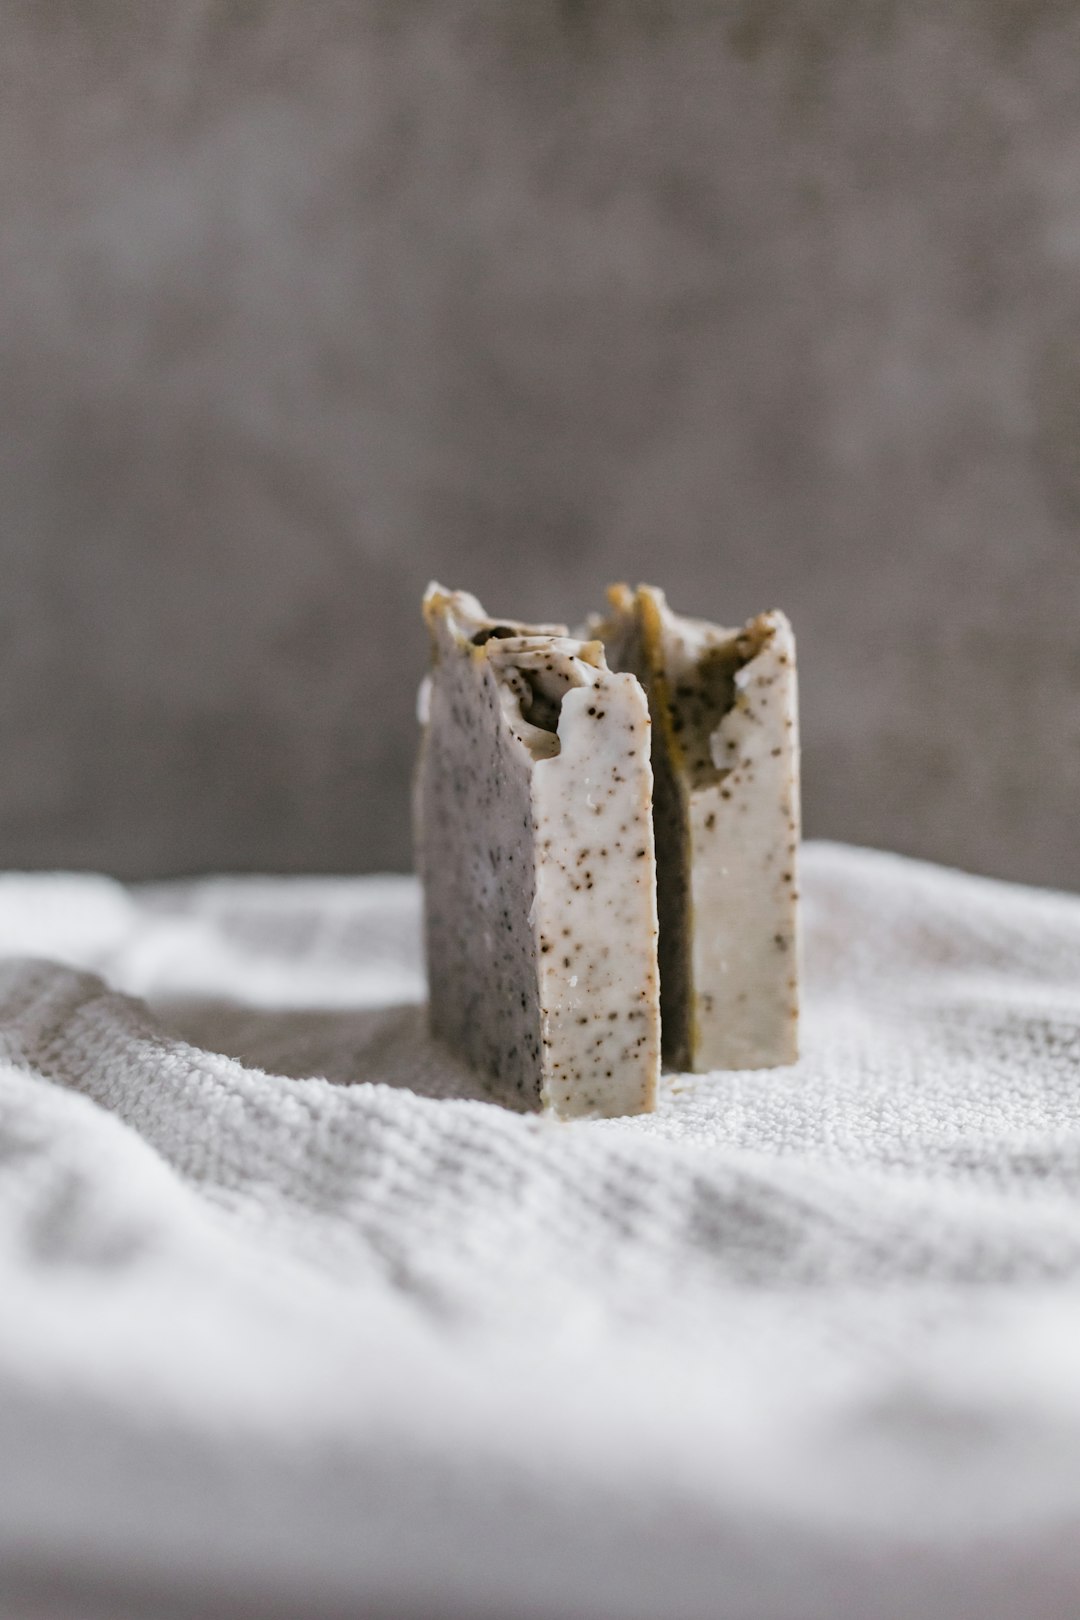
(772, 301)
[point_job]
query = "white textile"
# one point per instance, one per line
(293, 1323)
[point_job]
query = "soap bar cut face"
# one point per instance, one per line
(726, 765)
(534, 843)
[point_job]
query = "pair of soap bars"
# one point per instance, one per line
(607, 832)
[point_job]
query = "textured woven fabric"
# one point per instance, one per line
(292, 1321)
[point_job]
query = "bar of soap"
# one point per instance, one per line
(534, 841)
(726, 765)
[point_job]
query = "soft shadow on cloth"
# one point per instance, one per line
(305, 1043)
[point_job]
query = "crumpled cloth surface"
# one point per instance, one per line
(294, 1322)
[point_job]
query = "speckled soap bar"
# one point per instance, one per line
(534, 840)
(726, 766)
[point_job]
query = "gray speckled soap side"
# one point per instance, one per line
(474, 824)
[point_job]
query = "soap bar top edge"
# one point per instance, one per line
(533, 665)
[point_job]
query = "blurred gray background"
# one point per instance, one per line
(774, 302)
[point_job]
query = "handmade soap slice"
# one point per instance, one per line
(535, 845)
(726, 803)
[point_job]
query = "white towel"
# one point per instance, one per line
(291, 1323)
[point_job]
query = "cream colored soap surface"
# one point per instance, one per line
(535, 846)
